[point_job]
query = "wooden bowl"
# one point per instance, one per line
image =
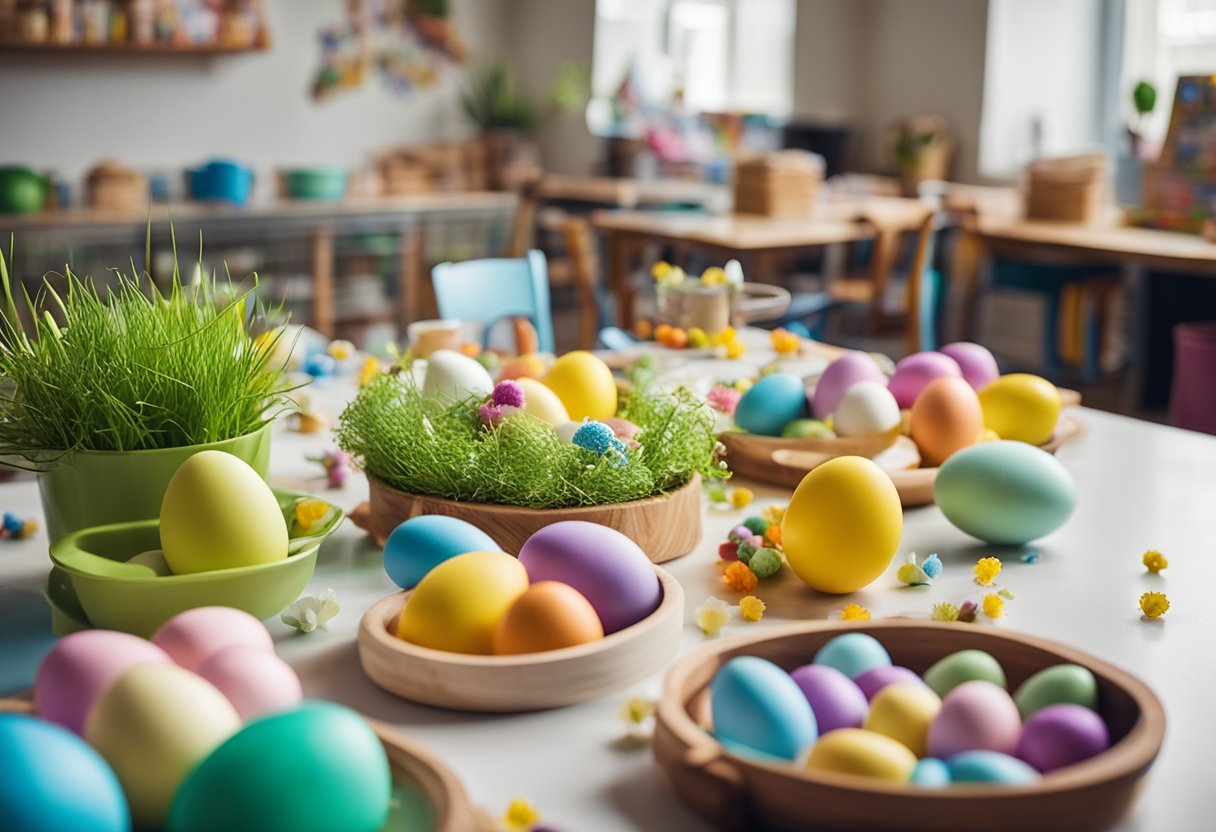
(529, 682)
(734, 793)
(666, 526)
(410, 765)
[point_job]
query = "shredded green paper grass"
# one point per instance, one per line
(424, 447)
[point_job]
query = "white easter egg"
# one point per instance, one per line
(452, 377)
(866, 408)
(566, 430)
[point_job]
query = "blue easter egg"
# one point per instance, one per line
(319, 365)
(758, 708)
(421, 543)
(930, 773)
(772, 402)
(853, 654)
(991, 767)
(55, 782)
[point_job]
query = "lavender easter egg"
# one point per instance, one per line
(836, 701)
(976, 362)
(1061, 735)
(608, 568)
(914, 373)
(840, 375)
(877, 678)
(976, 715)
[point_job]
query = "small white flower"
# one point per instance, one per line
(310, 611)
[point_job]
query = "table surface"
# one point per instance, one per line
(627, 192)
(1141, 486)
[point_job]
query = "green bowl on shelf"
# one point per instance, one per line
(315, 183)
(91, 585)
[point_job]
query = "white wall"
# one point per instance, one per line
(827, 36)
(67, 112)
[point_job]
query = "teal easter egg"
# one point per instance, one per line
(991, 767)
(1060, 684)
(421, 543)
(964, 666)
(757, 707)
(853, 654)
(772, 402)
(930, 773)
(1005, 492)
(315, 769)
(53, 781)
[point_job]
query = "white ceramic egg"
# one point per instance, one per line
(452, 377)
(865, 409)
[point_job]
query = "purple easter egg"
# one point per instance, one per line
(913, 374)
(877, 678)
(840, 375)
(976, 362)
(1061, 735)
(608, 568)
(836, 701)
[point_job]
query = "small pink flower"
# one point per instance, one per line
(725, 399)
(508, 393)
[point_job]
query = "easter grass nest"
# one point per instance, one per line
(421, 446)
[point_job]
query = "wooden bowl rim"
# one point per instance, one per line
(377, 621)
(1133, 753)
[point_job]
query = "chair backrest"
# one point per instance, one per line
(580, 245)
(496, 288)
(924, 292)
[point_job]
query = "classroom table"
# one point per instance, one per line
(1141, 486)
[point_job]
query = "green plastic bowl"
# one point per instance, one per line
(92, 585)
(315, 183)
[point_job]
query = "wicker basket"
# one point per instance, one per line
(778, 184)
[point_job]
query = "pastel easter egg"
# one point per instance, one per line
(806, 429)
(459, 603)
(975, 716)
(80, 666)
(915, 372)
(1021, 407)
(317, 768)
(877, 678)
(55, 782)
(950, 671)
(853, 654)
(976, 362)
(605, 566)
(1005, 493)
(770, 404)
(904, 711)
(548, 616)
(153, 725)
(154, 559)
(945, 419)
(541, 402)
(862, 752)
(991, 767)
(1057, 685)
(839, 376)
(585, 385)
(193, 636)
(421, 543)
(866, 409)
(254, 681)
(757, 707)
(835, 700)
(930, 773)
(453, 377)
(566, 430)
(842, 526)
(1062, 735)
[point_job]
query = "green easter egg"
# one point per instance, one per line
(806, 429)
(1057, 685)
(315, 769)
(964, 666)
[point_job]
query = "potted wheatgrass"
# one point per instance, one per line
(104, 393)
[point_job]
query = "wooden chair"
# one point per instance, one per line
(584, 262)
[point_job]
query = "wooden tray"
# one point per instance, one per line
(666, 527)
(734, 793)
(529, 682)
(409, 763)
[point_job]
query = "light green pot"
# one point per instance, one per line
(95, 488)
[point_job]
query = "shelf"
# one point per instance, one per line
(196, 49)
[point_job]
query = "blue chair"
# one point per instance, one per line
(496, 288)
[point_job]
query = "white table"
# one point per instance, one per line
(1142, 486)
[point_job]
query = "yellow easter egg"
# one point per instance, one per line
(1022, 407)
(903, 711)
(543, 403)
(858, 751)
(457, 606)
(584, 384)
(842, 527)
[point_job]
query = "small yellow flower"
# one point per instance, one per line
(520, 816)
(636, 710)
(741, 497)
(724, 336)
(986, 570)
(735, 348)
(944, 611)
(1154, 561)
(739, 577)
(28, 528)
(370, 369)
(744, 384)
(660, 270)
(340, 350)
(310, 511)
(713, 615)
(783, 341)
(854, 612)
(713, 276)
(751, 608)
(994, 605)
(1154, 604)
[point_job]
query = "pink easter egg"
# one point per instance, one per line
(976, 715)
(254, 681)
(914, 373)
(192, 637)
(976, 362)
(840, 375)
(80, 666)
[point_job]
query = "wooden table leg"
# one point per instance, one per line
(323, 316)
(968, 265)
(620, 278)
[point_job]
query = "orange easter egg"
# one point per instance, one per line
(945, 418)
(549, 615)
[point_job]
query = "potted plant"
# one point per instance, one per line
(105, 393)
(1144, 101)
(923, 149)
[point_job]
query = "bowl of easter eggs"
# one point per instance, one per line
(203, 727)
(522, 452)
(581, 612)
(902, 724)
(224, 537)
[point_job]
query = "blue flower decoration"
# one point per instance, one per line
(932, 566)
(599, 439)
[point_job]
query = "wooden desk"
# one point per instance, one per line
(622, 192)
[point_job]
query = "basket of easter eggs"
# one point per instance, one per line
(908, 725)
(553, 443)
(581, 611)
(933, 406)
(203, 727)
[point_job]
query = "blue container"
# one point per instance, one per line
(221, 180)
